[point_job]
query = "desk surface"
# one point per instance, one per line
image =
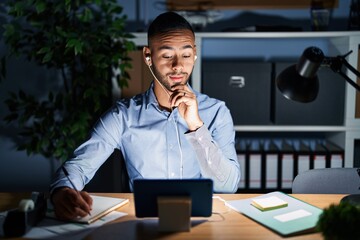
(228, 224)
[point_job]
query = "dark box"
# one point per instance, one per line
(243, 85)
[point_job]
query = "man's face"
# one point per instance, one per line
(173, 57)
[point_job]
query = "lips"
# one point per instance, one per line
(176, 78)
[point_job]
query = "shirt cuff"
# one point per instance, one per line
(199, 137)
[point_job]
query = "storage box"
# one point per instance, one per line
(243, 85)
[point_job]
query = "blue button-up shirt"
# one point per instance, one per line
(155, 144)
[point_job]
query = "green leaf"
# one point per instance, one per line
(76, 44)
(9, 30)
(86, 16)
(43, 50)
(18, 8)
(47, 58)
(40, 6)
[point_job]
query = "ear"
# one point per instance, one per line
(147, 55)
(195, 53)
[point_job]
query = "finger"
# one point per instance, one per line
(80, 212)
(73, 205)
(87, 205)
(88, 199)
(66, 210)
(73, 208)
(177, 98)
(83, 203)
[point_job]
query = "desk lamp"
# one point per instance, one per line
(299, 82)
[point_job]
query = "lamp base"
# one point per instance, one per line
(353, 199)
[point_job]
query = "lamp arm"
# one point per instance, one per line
(352, 83)
(336, 63)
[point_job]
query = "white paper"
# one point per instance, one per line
(292, 215)
(49, 228)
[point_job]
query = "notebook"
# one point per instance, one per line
(101, 206)
(295, 218)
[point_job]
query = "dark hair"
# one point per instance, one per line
(166, 22)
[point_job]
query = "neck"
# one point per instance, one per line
(162, 96)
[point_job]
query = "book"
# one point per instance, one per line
(101, 207)
(268, 203)
(297, 218)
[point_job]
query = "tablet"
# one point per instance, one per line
(146, 192)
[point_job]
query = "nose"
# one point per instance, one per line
(177, 65)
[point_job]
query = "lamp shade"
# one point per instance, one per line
(299, 82)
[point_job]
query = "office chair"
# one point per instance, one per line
(112, 176)
(328, 181)
(124, 176)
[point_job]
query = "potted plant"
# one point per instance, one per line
(340, 222)
(84, 40)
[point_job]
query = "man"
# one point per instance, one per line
(170, 131)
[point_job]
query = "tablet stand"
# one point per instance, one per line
(174, 213)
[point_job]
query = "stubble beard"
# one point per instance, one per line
(163, 79)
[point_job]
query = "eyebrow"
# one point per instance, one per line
(171, 48)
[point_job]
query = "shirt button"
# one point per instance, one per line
(172, 174)
(200, 139)
(171, 146)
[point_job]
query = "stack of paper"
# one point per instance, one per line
(268, 203)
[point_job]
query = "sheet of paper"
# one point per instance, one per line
(50, 228)
(292, 215)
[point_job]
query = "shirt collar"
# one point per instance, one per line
(150, 98)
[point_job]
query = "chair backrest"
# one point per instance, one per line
(328, 181)
(124, 176)
(112, 176)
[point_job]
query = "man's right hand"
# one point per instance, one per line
(70, 204)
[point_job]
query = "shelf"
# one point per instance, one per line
(140, 35)
(283, 45)
(271, 128)
(277, 34)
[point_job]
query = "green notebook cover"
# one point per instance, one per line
(296, 218)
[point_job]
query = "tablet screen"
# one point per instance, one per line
(146, 192)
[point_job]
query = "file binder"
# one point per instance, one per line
(303, 157)
(241, 157)
(335, 155)
(271, 165)
(287, 165)
(318, 155)
(253, 164)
